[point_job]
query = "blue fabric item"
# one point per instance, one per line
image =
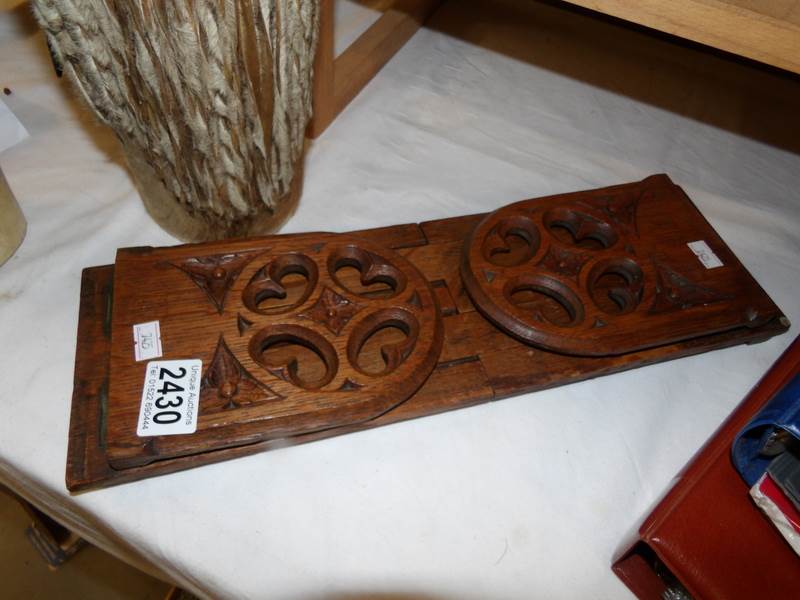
(781, 412)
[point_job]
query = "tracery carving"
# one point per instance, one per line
(229, 383)
(215, 274)
(561, 261)
(332, 310)
(676, 292)
(598, 273)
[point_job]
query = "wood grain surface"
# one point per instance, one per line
(296, 333)
(609, 271)
(477, 360)
(764, 30)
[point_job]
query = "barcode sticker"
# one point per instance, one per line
(147, 341)
(706, 255)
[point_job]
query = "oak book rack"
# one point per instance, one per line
(258, 343)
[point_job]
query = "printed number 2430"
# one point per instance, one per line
(169, 398)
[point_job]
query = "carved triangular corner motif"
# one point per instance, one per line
(227, 384)
(349, 385)
(620, 209)
(414, 300)
(676, 292)
(243, 324)
(215, 274)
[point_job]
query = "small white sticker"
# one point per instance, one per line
(147, 341)
(705, 254)
(170, 397)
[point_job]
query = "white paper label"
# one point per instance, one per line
(147, 341)
(705, 254)
(170, 397)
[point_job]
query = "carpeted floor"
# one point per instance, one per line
(90, 574)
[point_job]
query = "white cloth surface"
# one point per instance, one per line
(522, 498)
(350, 20)
(11, 130)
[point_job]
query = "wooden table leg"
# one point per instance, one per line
(55, 543)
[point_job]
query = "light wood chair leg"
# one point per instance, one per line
(337, 80)
(324, 112)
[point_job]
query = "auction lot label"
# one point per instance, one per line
(170, 397)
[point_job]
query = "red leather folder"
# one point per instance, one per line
(706, 533)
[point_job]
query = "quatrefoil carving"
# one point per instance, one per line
(316, 329)
(365, 325)
(589, 274)
(321, 328)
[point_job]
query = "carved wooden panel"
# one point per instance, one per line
(608, 271)
(307, 336)
(296, 333)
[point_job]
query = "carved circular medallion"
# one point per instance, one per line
(296, 333)
(319, 331)
(567, 276)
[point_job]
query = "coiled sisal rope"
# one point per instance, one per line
(210, 99)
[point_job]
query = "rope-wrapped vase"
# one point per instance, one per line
(209, 98)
